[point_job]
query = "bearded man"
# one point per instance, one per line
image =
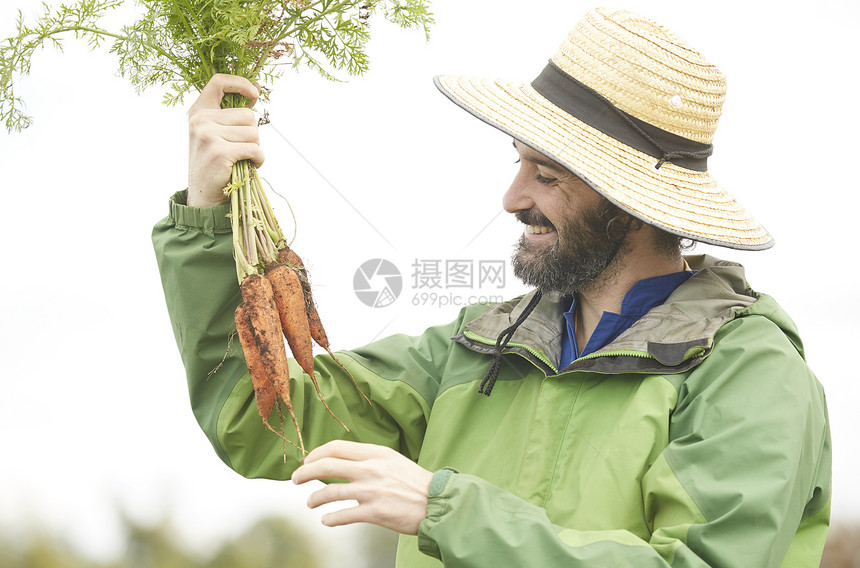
(637, 408)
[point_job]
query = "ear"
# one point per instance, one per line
(620, 226)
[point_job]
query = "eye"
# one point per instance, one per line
(544, 180)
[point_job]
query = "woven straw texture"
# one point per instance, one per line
(650, 73)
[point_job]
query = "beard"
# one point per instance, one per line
(582, 252)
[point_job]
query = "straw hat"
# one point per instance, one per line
(631, 109)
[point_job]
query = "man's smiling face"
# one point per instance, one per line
(564, 246)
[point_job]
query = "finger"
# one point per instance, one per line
(347, 516)
(347, 450)
(207, 137)
(334, 492)
(328, 468)
(201, 123)
(239, 134)
(234, 117)
(221, 84)
(249, 151)
(216, 134)
(369, 513)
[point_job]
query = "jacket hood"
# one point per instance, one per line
(672, 337)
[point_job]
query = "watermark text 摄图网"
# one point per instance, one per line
(457, 273)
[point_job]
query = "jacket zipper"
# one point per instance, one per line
(691, 354)
(541, 357)
(536, 353)
(619, 353)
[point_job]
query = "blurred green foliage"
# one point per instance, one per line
(271, 542)
(843, 546)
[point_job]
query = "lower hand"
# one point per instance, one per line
(391, 489)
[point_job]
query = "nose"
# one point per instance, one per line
(518, 197)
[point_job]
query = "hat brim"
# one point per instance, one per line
(687, 203)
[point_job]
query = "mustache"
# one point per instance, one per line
(533, 217)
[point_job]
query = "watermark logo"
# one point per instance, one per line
(377, 283)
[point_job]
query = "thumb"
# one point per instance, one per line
(221, 84)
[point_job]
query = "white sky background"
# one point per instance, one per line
(94, 411)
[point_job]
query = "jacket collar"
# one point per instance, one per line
(672, 337)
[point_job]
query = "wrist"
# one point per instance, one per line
(197, 198)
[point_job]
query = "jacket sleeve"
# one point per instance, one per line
(743, 481)
(193, 248)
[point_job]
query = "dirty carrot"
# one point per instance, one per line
(289, 257)
(259, 302)
(264, 390)
(290, 301)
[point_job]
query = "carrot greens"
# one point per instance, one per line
(179, 45)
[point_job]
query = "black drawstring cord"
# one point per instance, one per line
(667, 156)
(505, 336)
(502, 342)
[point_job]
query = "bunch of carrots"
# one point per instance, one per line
(276, 305)
(277, 302)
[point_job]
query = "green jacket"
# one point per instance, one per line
(699, 437)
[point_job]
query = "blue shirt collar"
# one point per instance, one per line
(639, 300)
